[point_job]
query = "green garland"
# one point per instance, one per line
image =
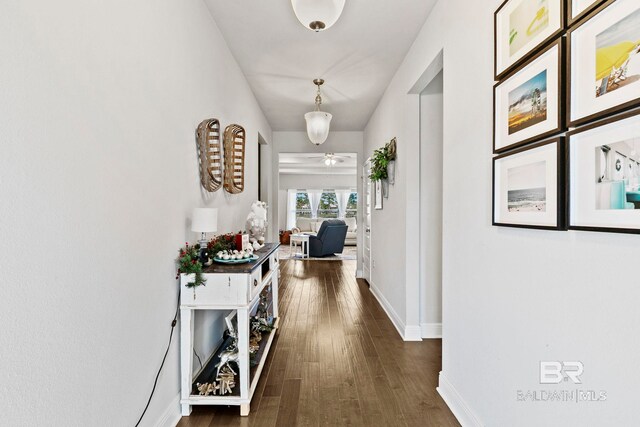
(189, 263)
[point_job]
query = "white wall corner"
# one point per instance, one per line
(456, 403)
(431, 330)
(359, 274)
(172, 415)
(391, 313)
(412, 333)
(407, 332)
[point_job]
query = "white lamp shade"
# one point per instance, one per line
(204, 220)
(318, 123)
(325, 11)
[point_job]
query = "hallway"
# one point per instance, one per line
(338, 360)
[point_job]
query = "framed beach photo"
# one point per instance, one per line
(578, 9)
(528, 106)
(604, 62)
(521, 27)
(528, 187)
(604, 181)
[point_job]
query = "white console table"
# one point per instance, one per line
(229, 287)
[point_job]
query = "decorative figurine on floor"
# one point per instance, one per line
(257, 224)
(208, 388)
(228, 355)
(227, 380)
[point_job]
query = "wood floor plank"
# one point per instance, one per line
(337, 360)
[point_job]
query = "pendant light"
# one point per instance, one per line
(317, 15)
(318, 122)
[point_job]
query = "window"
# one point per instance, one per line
(352, 206)
(303, 208)
(328, 206)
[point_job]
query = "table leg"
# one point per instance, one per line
(243, 357)
(186, 358)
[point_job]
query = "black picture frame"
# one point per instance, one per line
(561, 192)
(620, 108)
(498, 76)
(572, 21)
(561, 97)
(570, 136)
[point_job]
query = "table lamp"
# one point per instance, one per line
(204, 220)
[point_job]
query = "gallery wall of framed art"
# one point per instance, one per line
(566, 116)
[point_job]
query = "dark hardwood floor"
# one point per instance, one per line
(337, 360)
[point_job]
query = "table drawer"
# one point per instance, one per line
(219, 289)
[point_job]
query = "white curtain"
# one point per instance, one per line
(342, 197)
(314, 201)
(291, 208)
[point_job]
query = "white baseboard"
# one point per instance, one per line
(408, 333)
(456, 403)
(431, 330)
(359, 274)
(412, 333)
(172, 415)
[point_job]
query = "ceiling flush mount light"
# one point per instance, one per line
(317, 15)
(318, 122)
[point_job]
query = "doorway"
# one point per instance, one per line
(431, 192)
(366, 217)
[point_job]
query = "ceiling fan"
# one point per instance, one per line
(330, 159)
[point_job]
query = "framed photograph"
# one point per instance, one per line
(521, 27)
(604, 62)
(578, 9)
(528, 105)
(377, 199)
(604, 182)
(528, 187)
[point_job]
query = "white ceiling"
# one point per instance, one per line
(357, 57)
(313, 164)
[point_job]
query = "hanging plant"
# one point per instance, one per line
(189, 263)
(380, 161)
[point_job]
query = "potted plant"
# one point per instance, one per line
(383, 165)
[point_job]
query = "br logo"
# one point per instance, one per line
(553, 372)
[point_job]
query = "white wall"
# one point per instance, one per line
(98, 176)
(511, 297)
(326, 181)
(431, 124)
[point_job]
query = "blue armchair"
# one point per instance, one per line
(330, 238)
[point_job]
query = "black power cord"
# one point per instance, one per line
(155, 383)
(194, 352)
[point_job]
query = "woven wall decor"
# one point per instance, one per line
(234, 136)
(210, 154)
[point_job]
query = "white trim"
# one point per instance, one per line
(172, 415)
(412, 333)
(456, 403)
(407, 333)
(359, 274)
(431, 330)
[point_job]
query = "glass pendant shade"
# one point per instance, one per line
(317, 15)
(318, 126)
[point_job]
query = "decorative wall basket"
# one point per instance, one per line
(234, 136)
(209, 154)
